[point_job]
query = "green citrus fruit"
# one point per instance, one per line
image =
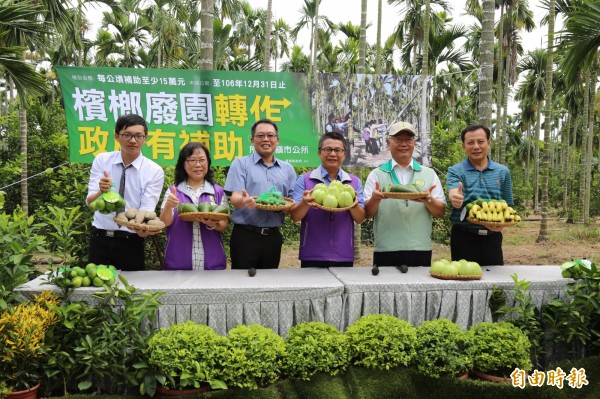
(104, 273)
(86, 281)
(97, 282)
(80, 271)
(77, 282)
(90, 269)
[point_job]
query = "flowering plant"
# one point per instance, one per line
(22, 331)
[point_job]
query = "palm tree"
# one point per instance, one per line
(543, 236)
(533, 92)
(26, 24)
(417, 18)
(362, 50)
(206, 35)
(298, 62)
(486, 62)
(310, 18)
(267, 55)
(128, 33)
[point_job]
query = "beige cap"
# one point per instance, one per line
(398, 127)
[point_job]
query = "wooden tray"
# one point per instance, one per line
(405, 196)
(491, 224)
(138, 225)
(193, 216)
(456, 276)
(276, 208)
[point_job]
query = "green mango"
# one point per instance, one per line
(186, 208)
(204, 207)
(403, 188)
(221, 209)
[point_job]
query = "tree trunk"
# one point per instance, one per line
(267, 59)
(486, 71)
(378, 45)
(585, 161)
(536, 159)
(543, 235)
(206, 34)
(362, 49)
(24, 168)
(590, 142)
(500, 86)
(315, 30)
(565, 166)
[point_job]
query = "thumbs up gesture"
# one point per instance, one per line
(105, 183)
(172, 200)
(377, 191)
(247, 200)
(456, 196)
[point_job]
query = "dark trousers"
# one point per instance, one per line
(324, 263)
(399, 258)
(125, 251)
(251, 248)
(466, 243)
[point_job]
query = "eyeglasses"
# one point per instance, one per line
(129, 136)
(402, 139)
(191, 161)
(337, 151)
(263, 136)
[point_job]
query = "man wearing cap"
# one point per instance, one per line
(476, 177)
(402, 228)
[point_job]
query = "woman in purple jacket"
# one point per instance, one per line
(196, 245)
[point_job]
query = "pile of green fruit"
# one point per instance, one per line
(492, 211)
(336, 195)
(108, 202)
(202, 207)
(578, 268)
(91, 275)
(401, 188)
(271, 198)
(456, 268)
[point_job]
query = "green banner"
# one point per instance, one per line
(216, 108)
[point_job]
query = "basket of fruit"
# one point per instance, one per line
(456, 270)
(403, 191)
(492, 213)
(273, 200)
(337, 197)
(189, 212)
(139, 219)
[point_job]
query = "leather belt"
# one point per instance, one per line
(475, 231)
(265, 231)
(96, 232)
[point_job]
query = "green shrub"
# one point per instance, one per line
(187, 354)
(313, 347)
(442, 349)
(254, 358)
(499, 348)
(19, 239)
(381, 342)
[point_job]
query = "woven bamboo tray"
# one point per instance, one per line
(405, 196)
(276, 208)
(138, 225)
(456, 276)
(491, 224)
(193, 216)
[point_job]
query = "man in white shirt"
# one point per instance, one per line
(111, 244)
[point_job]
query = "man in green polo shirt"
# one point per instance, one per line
(402, 228)
(476, 177)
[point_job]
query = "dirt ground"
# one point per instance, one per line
(567, 241)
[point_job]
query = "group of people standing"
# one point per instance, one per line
(402, 228)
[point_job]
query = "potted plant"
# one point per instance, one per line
(255, 357)
(23, 329)
(381, 342)
(315, 347)
(499, 348)
(186, 358)
(442, 349)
